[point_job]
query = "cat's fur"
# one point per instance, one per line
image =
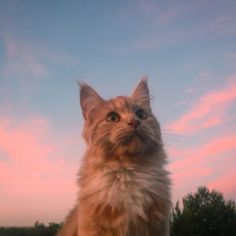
(124, 189)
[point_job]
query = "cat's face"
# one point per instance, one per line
(123, 125)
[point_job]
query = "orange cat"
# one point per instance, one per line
(124, 189)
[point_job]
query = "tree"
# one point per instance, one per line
(204, 213)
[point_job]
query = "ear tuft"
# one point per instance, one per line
(141, 92)
(89, 98)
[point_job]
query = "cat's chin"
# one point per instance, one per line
(131, 144)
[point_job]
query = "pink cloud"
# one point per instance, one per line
(225, 184)
(196, 156)
(208, 111)
(188, 180)
(34, 186)
(204, 164)
(188, 174)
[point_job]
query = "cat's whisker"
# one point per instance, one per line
(151, 136)
(157, 141)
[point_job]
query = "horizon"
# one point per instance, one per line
(188, 51)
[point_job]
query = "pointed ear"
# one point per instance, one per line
(89, 98)
(141, 93)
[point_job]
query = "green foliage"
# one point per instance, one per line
(204, 213)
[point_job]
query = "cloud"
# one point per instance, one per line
(200, 155)
(61, 58)
(165, 25)
(152, 9)
(22, 61)
(225, 184)
(35, 178)
(203, 165)
(188, 180)
(25, 59)
(224, 25)
(210, 110)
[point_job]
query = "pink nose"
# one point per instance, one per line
(134, 123)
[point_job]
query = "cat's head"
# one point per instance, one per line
(123, 125)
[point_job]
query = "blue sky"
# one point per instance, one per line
(188, 50)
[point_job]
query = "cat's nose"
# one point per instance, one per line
(134, 123)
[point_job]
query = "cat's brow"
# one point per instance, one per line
(122, 103)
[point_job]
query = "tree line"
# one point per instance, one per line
(203, 213)
(39, 229)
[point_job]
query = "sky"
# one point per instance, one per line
(186, 48)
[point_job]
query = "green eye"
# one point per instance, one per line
(113, 117)
(141, 114)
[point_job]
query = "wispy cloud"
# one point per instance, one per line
(161, 21)
(26, 59)
(224, 25)
(22, 60)
(158, 15)
(208, 111)
(61, 58)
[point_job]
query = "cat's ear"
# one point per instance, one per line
(89, 98)
(141, 92)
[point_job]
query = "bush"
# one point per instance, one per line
(204, 213)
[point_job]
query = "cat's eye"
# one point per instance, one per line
(141, 114)
(113, 117)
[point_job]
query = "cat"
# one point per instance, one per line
(124, 189)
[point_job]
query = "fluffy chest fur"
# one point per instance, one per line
(124, 198)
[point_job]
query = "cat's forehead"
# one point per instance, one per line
(121, 103)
